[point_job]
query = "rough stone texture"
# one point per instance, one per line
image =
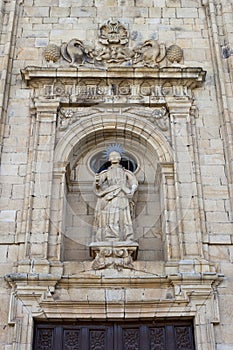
(184, 209)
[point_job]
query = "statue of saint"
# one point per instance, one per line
(114, 188)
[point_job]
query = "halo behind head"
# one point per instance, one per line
(113, 148)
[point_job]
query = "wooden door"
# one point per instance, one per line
(169, 335)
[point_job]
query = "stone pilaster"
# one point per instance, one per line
(58, 211)
(188, 222)
(38, 217)
(172, 245)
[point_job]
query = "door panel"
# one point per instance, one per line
(169, 335)
(71, 339)
(157, 338)
(183, 338)
(131, 338)
(44, 338)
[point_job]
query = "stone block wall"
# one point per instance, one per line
(204, 141)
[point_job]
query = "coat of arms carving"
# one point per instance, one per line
(114, 50)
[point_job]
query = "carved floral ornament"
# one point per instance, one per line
(114, 49)
(158, 115)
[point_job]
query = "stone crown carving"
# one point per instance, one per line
(113, 32)
(114, 38)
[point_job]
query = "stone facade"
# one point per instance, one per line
(156, 77)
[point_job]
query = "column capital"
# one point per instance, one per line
(179, 106)
(46, 106)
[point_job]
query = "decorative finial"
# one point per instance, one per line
(52, 53)
(174, 53)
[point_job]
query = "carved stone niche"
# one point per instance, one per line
(148, 91)
(113, 254)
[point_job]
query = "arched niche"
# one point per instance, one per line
(77, 147)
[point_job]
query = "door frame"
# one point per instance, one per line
(114, 333)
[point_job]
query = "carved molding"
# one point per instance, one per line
(156, 115)
(42, 295)
(128, 294)
(188, 76)
(142, 92)
(116, 85)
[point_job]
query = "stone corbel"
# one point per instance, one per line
(117, 255)
(28, 290)
(194, 286)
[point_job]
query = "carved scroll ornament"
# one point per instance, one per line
(117, 255)
(158, 115)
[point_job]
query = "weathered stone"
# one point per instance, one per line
(120, 84)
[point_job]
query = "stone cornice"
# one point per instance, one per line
(188, 76)
(98, 295)
(92, 280)
(39, 279)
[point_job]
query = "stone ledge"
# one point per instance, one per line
(215, 239)
(35, 278)
(88, 280)
(190, 76)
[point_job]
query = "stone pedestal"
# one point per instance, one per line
(113, 254)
